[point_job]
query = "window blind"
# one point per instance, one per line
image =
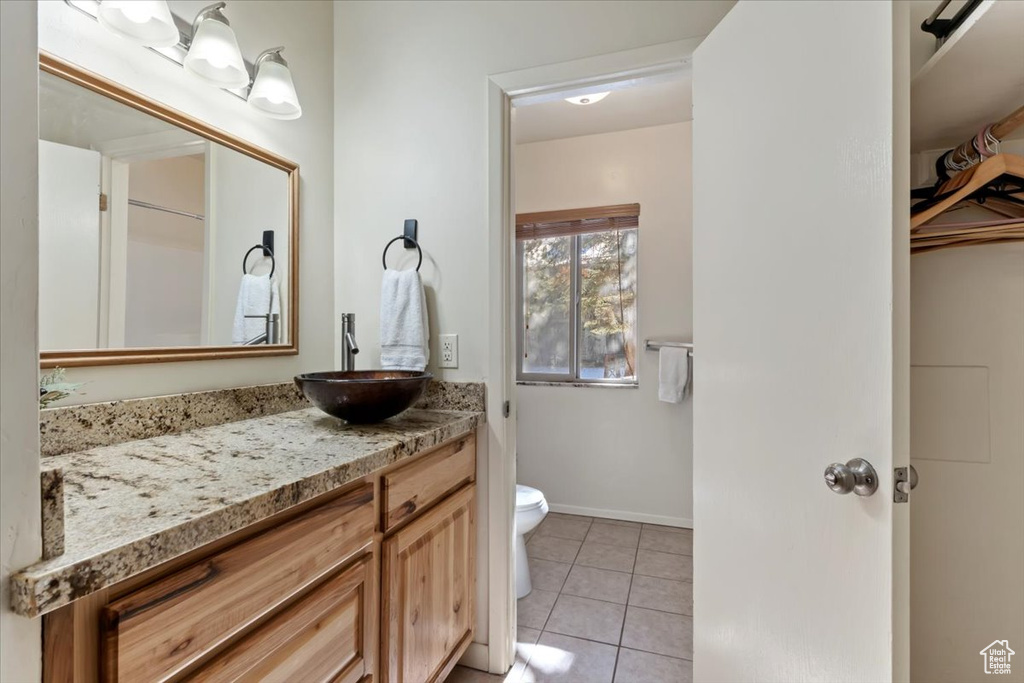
(544, 224)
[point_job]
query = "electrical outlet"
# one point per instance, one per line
(449, 351)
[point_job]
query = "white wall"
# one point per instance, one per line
(69, 246)
(164, 292)
(410, 136)
(305, 29)
(411, 141)
(617, 452)
(236, 223)
(967, 443)
(20, 527)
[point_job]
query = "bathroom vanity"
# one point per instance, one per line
(285, 547)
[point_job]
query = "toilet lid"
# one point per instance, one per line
(528, 498)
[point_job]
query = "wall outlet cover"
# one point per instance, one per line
(449, 351)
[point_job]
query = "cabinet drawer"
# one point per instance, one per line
(327, 636)
(423, 482)
(159, 630)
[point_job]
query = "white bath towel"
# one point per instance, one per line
(257, 295)
(673, 373)
(404, 329)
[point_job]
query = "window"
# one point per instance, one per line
(577, 295)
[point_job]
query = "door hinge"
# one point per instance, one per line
(103, 202)
(507, 408)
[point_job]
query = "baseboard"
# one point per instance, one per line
(620, 514)
(477, 656)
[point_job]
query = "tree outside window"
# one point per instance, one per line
(578, 306)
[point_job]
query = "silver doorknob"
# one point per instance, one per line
(857, 475)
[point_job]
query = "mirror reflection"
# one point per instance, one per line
(144, 227)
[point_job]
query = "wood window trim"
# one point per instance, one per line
(544, 224)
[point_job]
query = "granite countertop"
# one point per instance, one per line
(132, 506)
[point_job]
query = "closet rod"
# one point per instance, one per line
(146, 205)
(966, 151)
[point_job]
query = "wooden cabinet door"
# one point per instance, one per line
(429, 590)
(328, 636)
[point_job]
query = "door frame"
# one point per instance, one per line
(646, 62)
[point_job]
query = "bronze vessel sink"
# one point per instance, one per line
(363, 396)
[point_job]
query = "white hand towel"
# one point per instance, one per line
(255, 295)
(673, 374)
(404, 329)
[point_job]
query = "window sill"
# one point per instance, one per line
(579, 385)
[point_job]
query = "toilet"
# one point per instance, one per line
(531, 507)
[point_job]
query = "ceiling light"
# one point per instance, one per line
(273, 91)
(587, 99)
(147, 22)
(214, 54)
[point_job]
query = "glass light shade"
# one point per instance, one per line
(273, 92)
(215, 57)
(587, 99)
(147, 22)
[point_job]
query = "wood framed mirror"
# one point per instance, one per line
(162, 238)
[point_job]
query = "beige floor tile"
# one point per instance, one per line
(552, 548)
(565, 527)
(677, 542)
(644, 667)
(604, 556)
(599, 584)
(662, 594)
(566, 515)
(526, 643)
(547, 575)
(533, 610)
(613, 534)
(664, 565)
(463, 674)
(658, 632)
(563, 659)
(670, 529)
(585, 618)
(618, 522)
(527, 636)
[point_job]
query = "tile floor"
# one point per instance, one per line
(612, 602)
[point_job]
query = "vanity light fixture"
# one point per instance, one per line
(587, 99)
(214, 55)
(273, 92)
(210, 51)
(146, 22)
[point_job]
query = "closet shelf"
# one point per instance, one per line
(975, 77)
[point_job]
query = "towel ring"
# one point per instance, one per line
(273, 261)
(384, 256)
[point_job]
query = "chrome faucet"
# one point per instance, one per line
(270, 336)
(349, 347)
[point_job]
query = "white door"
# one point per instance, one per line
(69, 247)
(801, 330)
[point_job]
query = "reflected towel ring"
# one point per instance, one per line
(273, 261)
(384, 256)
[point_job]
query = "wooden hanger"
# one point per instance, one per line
(970, 181)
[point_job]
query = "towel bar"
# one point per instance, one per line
(653, 345)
